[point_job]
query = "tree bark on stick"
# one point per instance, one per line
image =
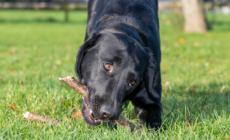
(194, 14)
(30, 116)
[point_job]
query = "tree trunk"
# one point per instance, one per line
(66, 10)
(195, 20)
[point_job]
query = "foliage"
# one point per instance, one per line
(37, 47)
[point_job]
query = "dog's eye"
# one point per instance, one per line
(107, 66)
(132, 83)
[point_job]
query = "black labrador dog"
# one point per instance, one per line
(120, 61)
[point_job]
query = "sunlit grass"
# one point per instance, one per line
(37, 47)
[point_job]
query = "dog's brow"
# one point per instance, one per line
(112, 59)
(131, 75)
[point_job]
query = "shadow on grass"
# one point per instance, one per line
(221, 26)
(41, 20)
(184, 104)
(196, 101)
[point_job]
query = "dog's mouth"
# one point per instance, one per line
(88, 114)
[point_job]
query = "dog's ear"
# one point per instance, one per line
(150, 75)
(88, 44)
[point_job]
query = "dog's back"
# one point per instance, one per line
(140, 14)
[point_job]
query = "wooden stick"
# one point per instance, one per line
(121, 120)
(75, 85)
(38, 117)
(81, 89)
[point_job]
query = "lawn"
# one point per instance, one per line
(37, 47)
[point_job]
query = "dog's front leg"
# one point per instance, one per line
(150, 115)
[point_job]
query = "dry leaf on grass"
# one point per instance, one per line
(12, 72)
(76, 114)
(12, 107)
(182, 41)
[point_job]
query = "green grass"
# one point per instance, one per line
(37, 47)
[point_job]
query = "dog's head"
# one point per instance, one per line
(111, 65)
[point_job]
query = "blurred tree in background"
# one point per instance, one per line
(194, 14)
(193, 17)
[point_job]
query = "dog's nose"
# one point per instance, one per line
(108, 114)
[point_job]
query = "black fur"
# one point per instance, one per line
(125, 34)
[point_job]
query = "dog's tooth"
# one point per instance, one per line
(90, 112)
